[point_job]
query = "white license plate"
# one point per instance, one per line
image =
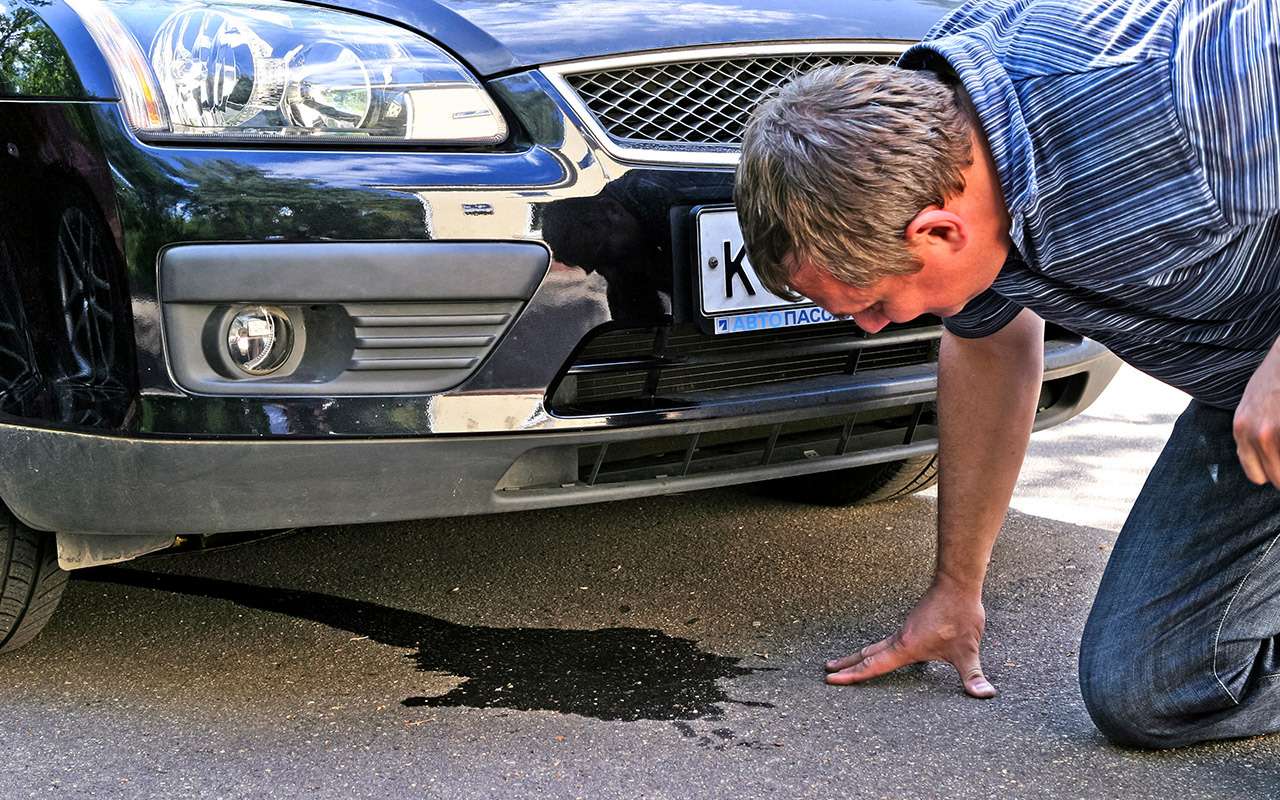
(730, 292)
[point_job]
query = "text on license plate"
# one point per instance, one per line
(730, 291)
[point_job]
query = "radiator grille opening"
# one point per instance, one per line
(623, 370)
(695, 103)
(824, 442)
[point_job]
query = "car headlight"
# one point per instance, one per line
(275, 69)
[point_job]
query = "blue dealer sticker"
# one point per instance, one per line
(768, 320)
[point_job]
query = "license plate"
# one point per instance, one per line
(731, 294)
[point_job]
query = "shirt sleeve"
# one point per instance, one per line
(984, 315)
(1226, 85)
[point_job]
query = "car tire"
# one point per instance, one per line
(860, 485)
(31, 582)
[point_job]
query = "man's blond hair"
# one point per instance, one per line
(838, 162)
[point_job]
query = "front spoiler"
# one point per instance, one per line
(93, 484)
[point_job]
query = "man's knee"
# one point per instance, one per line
(1120, 707)
(1118, 681)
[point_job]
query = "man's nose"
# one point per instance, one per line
(871, 321)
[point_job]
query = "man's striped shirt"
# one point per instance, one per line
(1137, 143)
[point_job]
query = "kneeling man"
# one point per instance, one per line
(1113, 167)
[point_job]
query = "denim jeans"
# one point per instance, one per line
(1181, 644)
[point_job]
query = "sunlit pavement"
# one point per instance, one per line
(1089, 471)
(657, 648)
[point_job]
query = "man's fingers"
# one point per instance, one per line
(1271, 466)
(837, 664)
(975, 682)
(1267, 451)
(887, 655)
(1251, 463)
(886, 660)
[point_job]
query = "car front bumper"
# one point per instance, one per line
(106, 484)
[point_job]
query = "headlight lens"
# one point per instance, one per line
(273, 68)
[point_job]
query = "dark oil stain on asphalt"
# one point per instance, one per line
(614, 674)
(719, 738)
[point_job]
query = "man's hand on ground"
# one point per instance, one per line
(946, 625)
(1257, 423)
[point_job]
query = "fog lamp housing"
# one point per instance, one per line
(259, 339)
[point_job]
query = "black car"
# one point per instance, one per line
(268, 264)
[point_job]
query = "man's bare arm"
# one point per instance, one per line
(987, 396)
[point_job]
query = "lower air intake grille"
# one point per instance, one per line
(671, 367)
(760, 446)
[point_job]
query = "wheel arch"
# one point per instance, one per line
(66, 331)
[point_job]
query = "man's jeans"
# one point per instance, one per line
(1181, 644)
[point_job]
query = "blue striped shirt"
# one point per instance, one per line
(1137, 143)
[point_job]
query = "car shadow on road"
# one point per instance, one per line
(613, 674)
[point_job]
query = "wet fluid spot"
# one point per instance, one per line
(610, 674)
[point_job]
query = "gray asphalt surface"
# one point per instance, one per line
(663, 648)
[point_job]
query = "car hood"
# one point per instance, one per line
(495, 36)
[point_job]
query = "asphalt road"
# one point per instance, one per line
(663, 648)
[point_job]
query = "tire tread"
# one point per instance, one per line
(31, 582)
(861, 485)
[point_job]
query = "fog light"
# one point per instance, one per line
(260, 339)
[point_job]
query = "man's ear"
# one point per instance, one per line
(937, 227)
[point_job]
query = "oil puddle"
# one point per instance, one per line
(613, 674)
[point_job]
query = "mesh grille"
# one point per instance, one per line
(700, 103)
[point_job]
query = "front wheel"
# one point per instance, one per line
(31, 583)
(859, 485)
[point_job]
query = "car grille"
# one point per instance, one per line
(757, 446)
(678, 366)
(696, 103)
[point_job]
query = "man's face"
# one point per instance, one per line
(961, 249)
(898, 298)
